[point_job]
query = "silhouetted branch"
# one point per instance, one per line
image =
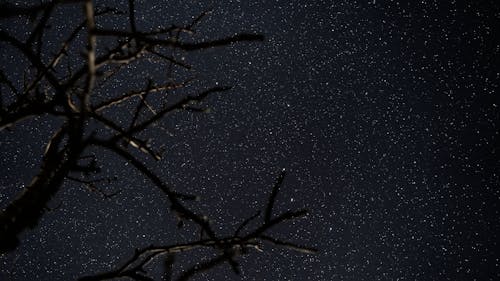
(25, 211)
(204, 266)
(8, 10)
(12, 115)
(198, 19)
(115, 101)
(91, 186)
(175, 203)
(290, 215)
(228, 248)
(272, 198)
(176, 106)
(32, 57)
(6, 81)
(126, 137)
(242, 37)
(245, 223)
(141, 104)
(37, 32)
(78, 100)
(91, 56)
(186, 197)
(289, 245)
(168, 265)
(170, 59)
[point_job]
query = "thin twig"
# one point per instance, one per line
(272, 198)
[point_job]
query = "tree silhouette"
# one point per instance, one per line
(72, 89)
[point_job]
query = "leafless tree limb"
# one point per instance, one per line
(229, 248)
(274, 193)
(78, 98)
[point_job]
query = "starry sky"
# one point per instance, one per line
(384, 114)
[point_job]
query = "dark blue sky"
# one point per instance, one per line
(384, 114)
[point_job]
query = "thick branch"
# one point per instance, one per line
(25, 211)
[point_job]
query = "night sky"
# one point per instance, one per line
(384, 114)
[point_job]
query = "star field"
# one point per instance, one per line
(384, 114)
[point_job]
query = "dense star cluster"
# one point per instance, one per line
(384, 114)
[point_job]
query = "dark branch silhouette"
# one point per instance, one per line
(77, 96)
(228, 248)
(274, 193)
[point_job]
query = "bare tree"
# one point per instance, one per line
(56, 85)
